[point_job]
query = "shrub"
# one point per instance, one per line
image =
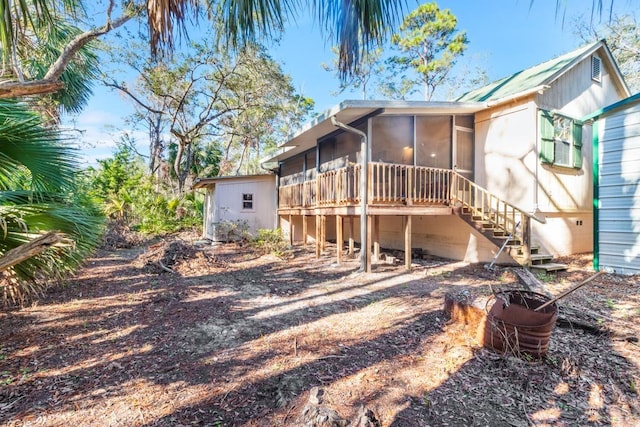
(272, 242)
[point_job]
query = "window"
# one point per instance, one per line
(596, 69)
(561, 143)
(247, 201)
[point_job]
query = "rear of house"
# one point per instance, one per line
(533, 149)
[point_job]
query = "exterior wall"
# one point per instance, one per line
(224, 202)
(576, 94)
(508, 164)
(506, 157)
(618, 240)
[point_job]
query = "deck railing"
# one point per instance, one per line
(339, 187)
(403, 185)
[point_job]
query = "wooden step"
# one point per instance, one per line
(513, 241)
(549, 266)
(540, 258)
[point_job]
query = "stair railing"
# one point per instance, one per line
(487, 207)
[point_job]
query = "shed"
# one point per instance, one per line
(616, 170)
(238, 202)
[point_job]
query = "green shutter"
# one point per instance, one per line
(547, 144)
(577, 145)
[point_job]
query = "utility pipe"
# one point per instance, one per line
(364, 162)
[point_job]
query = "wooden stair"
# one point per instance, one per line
(498, 236)
(544, 262)
(503, 224)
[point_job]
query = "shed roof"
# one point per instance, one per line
(207, 182)
(542, 75)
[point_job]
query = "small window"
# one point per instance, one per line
(561, 137)
(247, 201)
(596, 68)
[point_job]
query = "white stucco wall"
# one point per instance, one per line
(224, 202)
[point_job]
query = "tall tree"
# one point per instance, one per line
(355, 25)
(237, 100)
(370, 66)
(429, 45)
(623, 38)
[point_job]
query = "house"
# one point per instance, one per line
(236, 204)
(616, 187)
(504, 172)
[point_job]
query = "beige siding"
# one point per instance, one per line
(577, 95)
(506, 155)
(564, 233)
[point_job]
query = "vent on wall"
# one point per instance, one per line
(596, 69)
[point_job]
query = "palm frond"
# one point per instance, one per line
(25, 145)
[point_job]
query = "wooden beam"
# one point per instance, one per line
(367, 248)
(407, 242)
(339, 238)
(376, 237)
(318, 237)
(351, 239)
(291, 229)
(305, 230)
(323, 233)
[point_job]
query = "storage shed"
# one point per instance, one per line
(247, 201)
(616, 146)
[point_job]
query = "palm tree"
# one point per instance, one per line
(45, 231)
(355, 25)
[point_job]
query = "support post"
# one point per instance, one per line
(366, 249)
(291, 230)
(339, 238)
(351, 239)
(323, 233)
(526, 239)
(407, 242)
(305, 229)
(318, 236)
(376, 237)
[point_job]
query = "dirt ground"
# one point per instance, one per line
(180, 335)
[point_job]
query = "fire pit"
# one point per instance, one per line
(514, 327)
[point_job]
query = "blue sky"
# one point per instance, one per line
(506, 36)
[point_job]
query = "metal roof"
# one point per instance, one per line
(205, 182)
(540, 76)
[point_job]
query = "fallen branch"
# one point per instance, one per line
(165, 268)
(30, 249)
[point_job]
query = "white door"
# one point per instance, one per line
(463, 151)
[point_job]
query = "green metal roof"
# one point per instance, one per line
(531, 78)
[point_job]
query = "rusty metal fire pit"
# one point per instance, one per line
(514, 327)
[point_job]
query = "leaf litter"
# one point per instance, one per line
(223, 336)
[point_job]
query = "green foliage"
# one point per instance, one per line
(429, 45)
(38, 194)
(129, 196)
(224, 111)
(232, 231)
(272, 242)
